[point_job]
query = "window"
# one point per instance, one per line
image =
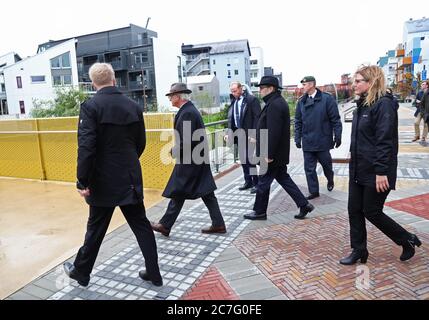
(253, 62)
(3, 107)
(19, 82)
(228, 64)
(56, 80)
(229, 73)
(200, 88)
(61, 62)
(22, 107)
(37, 79)
(214, 72)
(214, 61)
(67, 80)
(236, 72)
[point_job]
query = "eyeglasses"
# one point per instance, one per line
(360, 80)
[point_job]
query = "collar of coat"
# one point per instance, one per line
(108, 90)
(310, 102)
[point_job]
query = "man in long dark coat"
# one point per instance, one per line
(111, 139)
(191, 177)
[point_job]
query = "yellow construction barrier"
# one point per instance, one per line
(46, 149)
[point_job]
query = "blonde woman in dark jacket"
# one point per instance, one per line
(373, 165)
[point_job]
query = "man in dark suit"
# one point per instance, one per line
(272, 147)
(191, 177)
(243, 115)
(111, 138)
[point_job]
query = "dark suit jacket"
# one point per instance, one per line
(111, 139)
(249, 117)
(189, 180)
(275, 117)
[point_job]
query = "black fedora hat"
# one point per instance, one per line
(178, 88)
(269, 81)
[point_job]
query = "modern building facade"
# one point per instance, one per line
(256, 68)
(228, 60)
(205, 92)
(136, 55)
(37, 77)
(5, 61)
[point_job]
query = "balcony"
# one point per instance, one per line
(404, 62)
(138, 85)
(117, 64)
(400, 53)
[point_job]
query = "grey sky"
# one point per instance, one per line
(320, 38)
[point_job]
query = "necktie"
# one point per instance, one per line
(237, 114)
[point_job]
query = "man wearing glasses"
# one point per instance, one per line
(317, 130)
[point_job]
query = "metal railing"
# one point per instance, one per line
(194, 62)
(222, 154)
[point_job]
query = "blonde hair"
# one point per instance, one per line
(101, 74)
(374, 75)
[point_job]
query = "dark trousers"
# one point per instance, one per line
(366, 202)
(175, 206)
(284, 179)
(310, 164)
(98, 222)
(246, 154)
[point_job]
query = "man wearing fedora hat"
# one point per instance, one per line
(191, 178)
(318, 126)
(272, 147)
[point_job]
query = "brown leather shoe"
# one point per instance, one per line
(415, 139)
(160, 228)
(213, 229)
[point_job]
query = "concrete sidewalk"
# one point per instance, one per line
(281, 258)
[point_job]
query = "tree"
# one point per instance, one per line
(66, 104)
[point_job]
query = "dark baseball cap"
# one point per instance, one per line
(308, 79)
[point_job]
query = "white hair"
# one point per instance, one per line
(184, 96)
(101, 74)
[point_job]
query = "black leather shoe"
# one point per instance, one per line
(71, 271)
(245, 186)
(143, 275)
(313, 196)
(254, 216)
(354, 257)
(408, 250)
(303, 211)
(253, 191)
(330, 186)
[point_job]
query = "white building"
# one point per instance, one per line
(415, 41)
(5, 60)
(228, 60)
(205, 92)
(256, 67)
(38, 76)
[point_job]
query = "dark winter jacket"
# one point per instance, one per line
(317, 122)
(374, 141)
(111, 138)
(275, 117)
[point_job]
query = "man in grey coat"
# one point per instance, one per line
(317, 129)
